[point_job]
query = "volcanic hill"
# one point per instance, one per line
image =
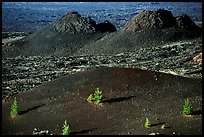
(73, 34)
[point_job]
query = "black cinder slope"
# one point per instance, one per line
(62, 38)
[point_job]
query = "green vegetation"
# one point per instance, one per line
(162, 126)
(14, 109)
(65, 128)
(96, 97)
(187, 108)
(147, 123)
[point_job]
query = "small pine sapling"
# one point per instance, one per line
(96, 97)
(14, 109)
(147, 123)
(90, 98)
(187, 108)
(162, 126)
(65, 128)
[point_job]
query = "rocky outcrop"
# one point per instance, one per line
(197, 59)
(41, 132)
(151, 20)
(73, 22)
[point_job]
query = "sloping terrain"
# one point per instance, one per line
(47, 41)
(61, 38)
(183, 58)
(146, 29)
(122, 41)
(73, 34)
(130, 95)
(52, 72)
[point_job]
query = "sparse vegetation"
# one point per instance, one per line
(65, 128)
(147, 123)
(96, 97)
(162, 126)
(187, 108)
(14, 108)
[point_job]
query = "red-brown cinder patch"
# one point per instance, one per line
(129, 95)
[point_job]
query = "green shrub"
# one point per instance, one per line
(147, 123)
(187, 108)
(90, 98)
(65, 128)
(162, 126)
(96, 97)
(14, 108)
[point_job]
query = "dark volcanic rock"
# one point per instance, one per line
(22, 73)
(151, 20)
(74, 23)
(62, 38)
(76, 35)
(105, 27)
(186, 24)
(163, 19)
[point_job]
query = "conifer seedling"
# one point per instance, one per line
(162, 126)
(14, 109)
(147, 123)
(187, 108)
(96, 97)
(65, 128)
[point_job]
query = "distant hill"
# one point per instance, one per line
(73, 34)
(62, 38)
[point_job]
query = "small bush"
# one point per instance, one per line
(14, 109)
(162, 126)
(147, 123)
(65, 128)
(187, 108)
(96, 97)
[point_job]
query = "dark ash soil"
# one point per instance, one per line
(130, 95)
(58, 70)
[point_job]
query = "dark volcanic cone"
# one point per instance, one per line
(162, 19)
(62, 38)
(151, 20)
(105, 26)
(74, 23)
(188, 26)
(76, 35)
(147, 29)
